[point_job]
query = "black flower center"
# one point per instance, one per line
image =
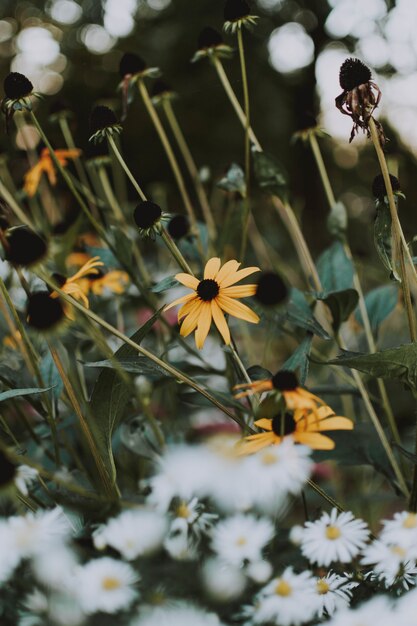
(285, 381)
(235, 10)
(25, 247)
(131, 63)
(379, 189)
(208, 289)
(283, 424)
(209, 38)
(147, 214)
(353, 73)
(271, 289)
(17, 86)
(101, 117)
(43, 312)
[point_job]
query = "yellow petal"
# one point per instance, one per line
(228, 268)
(264, 423)
(237, 309)
(252, 444)
(240, 275)
(190, 322)
(335, 423)
(212, 267)
(314, 441)
(204, 323)
(188, 308)
(187, 280)
(239, 291)
(220, 322)
(181, 300)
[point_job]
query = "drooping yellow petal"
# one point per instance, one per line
(204, 323)
(239, 275)
(181, 300)
(190, 322)
(296, 400)
(229, 268)
(239, 291)
(220, 322)
(258, 386)
(253, 443)
(314, 440)
(331, 423)
(212, 267)
(32, 179)
(237, 309)
(188, 308)
(48, 168)
(187, 280)
(264, 423)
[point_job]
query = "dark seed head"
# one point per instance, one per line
(147, 214)
(17, 86)
(285, 380)
(24, 246)
(160, 87)
(208, 289)
(235, 10)
(101, 117)
(283, 425)
(271, 289)
(131, 63)
(179, 226)
(353, 73)
(379, 189)
(43, 312)
(307, 120)
(59, 279)
(7, 470)
(209, 38)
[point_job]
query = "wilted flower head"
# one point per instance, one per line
(148, 217)
(44, 313)
(18, 89)
(162, 91)
(179, 226)
(237, 13)
(103, 122)
(210, 42)
(379, 189)
(271, 290)
(131, 64)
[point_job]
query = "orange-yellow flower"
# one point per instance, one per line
(213, 296)
(46, 165)
(75, 285)
(115, 281)
(303, 426)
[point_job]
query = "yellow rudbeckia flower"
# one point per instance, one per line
(45, 165)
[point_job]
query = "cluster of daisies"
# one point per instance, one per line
(211, 524)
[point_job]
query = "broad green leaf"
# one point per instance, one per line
(110, 397)
(299, 359)
(337, 220)
(341, 305)
(380, 302)
(382, 236)
(166, 283)
(17, 393)
(50, 375)
(299, 314)
(256, 372)
(269, 174)
(134, 365)
(234, 180)
(335, 268)
(395, 363)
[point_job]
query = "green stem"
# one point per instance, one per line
(176, 253)
(246, 203)
(124, 165)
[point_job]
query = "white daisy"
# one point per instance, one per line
(25, 476)
(222, 581)
(334, 537)
(334, 592)
(289, 600)
(181, 615)
(34, 533)
(401, 531)
(241, 538)
(55, 567)
(9, 556)
(259, 571)
(105, 585)
(179, 544)
(379, 611)
(133, 533)
(405, 613)
(390, 563)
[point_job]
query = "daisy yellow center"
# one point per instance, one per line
(269, 458)
(398, 551)
(208, 289)
(183, 510)
(241, 541)
(109, 583)
(333, 532)
(410, 521)
(283, 588)
(322, 587)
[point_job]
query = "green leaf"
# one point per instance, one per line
(138, 365)
(110, 397)
(341, 305)
(166, 283)
(395, 363)
(257, 372)
(380, 302)
(234, 180)
(105, 255)
(299, 358)
(269, 174)
(299, 314)
(335, 269)
(382, 236)
(17, 393)
(337, 220)
(50, 375)
(123, 247)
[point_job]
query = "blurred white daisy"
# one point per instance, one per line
(24, 478)
(9, 557)
(334, 537)
(181, 615)
(241, 538)
(34, 533)
(222, 581)
(401, 531)
(289, 600)
(133, 533)
(379, 611)
(406, 609)
(334, 592)
(390, 563)
(105, 585)
(55, 567)
(189, 523)
(259, 571)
